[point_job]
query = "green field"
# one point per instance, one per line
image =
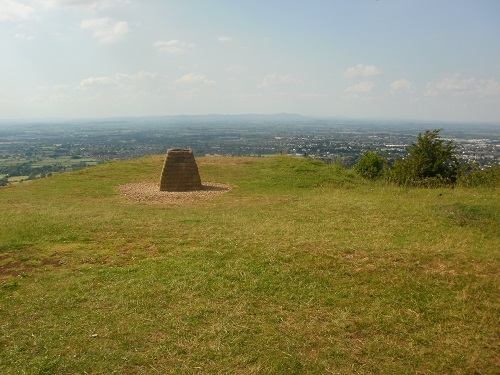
(301, 268)
(66, 161)
(60, 163)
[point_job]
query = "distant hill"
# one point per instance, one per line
(219, 118)
(252, 119)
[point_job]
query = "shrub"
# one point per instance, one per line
(431, 162)
(473, 177)
(370, 165)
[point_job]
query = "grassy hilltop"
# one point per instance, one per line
(301, 268)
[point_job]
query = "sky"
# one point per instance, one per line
(386, 59)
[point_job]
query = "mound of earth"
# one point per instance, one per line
(149, 193)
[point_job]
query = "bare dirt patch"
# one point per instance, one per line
(149, 193)
(14, 268)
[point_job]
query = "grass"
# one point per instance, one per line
(300, 268)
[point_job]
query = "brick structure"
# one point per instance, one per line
(180, 172)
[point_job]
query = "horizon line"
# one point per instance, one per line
(277, 114)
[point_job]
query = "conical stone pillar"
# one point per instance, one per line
(180, 172)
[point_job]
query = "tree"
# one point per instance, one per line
(370, 165)
(431, 161)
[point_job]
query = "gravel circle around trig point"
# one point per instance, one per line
(149, 193)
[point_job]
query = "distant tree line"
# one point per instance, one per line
(26, 169)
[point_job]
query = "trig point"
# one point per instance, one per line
(180, 172)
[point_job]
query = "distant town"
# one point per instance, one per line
(37, 149)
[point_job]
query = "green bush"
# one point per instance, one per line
(370, 165)
(473, 177)
(431, 162)
(4, 180)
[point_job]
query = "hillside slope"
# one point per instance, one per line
(299, 268)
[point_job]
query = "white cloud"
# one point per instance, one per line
(173, 46)
(143, 84)
(23, 37)
(225, 39)
(400, 86)
(191, 86)
(14, 10)
(121, 85)
(362, 70)
(276, 80)
(457, 85)
(105, 30)
(88, 4)
(95, 82)
(194, 79)
(138, 77)
(120, 80)
(360, 88)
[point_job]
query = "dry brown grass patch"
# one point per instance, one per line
(149, 193)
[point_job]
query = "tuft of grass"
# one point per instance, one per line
(469, 214)
(301, 268)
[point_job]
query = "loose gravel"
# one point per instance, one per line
(149, 193)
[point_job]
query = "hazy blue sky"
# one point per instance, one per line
(417, 59)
